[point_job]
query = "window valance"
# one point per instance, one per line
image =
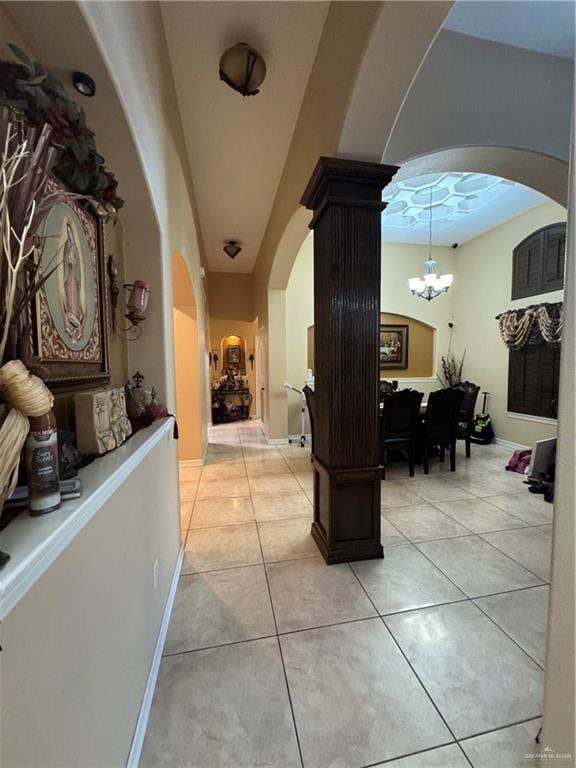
(535, 324)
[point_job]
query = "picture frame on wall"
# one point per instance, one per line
(393, 347)
(234, 355)
(70, 317)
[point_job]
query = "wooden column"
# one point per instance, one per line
(346, 198)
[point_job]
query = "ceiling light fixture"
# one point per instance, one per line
(232, 248)
(430, 285)
(84, 84)
(243, 69)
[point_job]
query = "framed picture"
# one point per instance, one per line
(393, 347)
(234, 354)
(70, 319)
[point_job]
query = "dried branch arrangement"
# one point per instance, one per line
(452, 368)
(25, 166)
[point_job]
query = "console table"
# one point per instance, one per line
(230, 405)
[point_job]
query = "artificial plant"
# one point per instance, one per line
(30, 88)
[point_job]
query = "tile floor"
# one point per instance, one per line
(432, 657)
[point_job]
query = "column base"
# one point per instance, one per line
(347, 513)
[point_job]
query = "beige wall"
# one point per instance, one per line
(482, 289)
(299, 317)
(76, 650)
(420, 348)
(188, 394)
(559, 710)
(188, 360)
(230, 296)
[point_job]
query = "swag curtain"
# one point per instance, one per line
(532, 325)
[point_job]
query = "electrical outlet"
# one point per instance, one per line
(155, 574)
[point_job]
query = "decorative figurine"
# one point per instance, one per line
(154, 409)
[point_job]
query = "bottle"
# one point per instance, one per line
(42, 465)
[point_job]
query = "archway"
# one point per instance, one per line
(186, 363)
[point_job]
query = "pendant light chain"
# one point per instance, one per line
(431, 285)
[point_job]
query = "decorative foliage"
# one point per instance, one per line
(532, 325)
(452, 368)
(31, 89)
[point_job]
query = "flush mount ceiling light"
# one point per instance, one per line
(243, 69)
(431, 285)
(232, 249)
(84, 84)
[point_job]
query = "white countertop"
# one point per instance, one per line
(34, 543)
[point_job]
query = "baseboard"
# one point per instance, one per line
(508, 444)
(142, 724)
(296, 438)
(191, 463)
(276, 440)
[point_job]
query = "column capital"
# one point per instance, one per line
(346, 182)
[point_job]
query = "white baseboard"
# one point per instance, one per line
(276, 440)
(191, 463)
(508, 444)
(142, 724)
(296, 438)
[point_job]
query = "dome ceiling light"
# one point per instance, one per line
(84, 84)
(243, 69)
(232, 248)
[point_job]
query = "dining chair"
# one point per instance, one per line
(439, 426)
(399, 425)
(309, 395)
(466, 420)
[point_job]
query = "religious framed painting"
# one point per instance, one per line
(393, 347)
(70, 319)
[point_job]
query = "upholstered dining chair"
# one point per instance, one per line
(466, 420)
(399, 425)
(439, 426)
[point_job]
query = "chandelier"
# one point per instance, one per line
(431, 284)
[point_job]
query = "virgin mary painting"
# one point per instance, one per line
(69, 319)
(74, 297)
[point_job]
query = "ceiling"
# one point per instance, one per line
(547, 27)
(463, 205)
(237, 145)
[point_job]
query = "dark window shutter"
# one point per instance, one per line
(527, 260)
(538, 262)
(553, 262)
(533, 378)
(549, 376)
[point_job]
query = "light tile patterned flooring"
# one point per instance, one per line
(433, 656)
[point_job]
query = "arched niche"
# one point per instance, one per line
(233, 353)
(420, 342)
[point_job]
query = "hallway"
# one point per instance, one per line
(274, 659)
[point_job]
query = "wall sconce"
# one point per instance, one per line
(215, 358)
(251, 358)
(138, 293)
(243, 69)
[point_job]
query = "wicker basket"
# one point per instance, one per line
(13, 432)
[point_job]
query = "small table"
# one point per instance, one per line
(223, 413)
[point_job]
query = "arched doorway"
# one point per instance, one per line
(186, 363)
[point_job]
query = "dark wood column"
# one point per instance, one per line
(346, 198)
